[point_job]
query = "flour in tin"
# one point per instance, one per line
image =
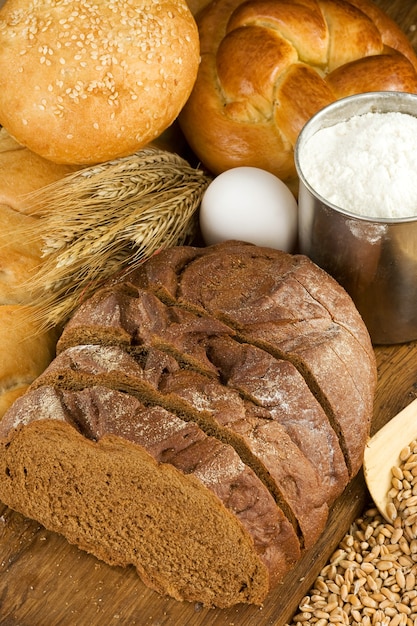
(366, 165)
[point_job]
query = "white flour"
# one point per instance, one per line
(366, 165)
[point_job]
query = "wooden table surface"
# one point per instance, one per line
(44, 581)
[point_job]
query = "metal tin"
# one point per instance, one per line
(374, 259)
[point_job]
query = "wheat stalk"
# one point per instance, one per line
(103, 219)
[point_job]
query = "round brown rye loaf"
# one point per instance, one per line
(249, 345)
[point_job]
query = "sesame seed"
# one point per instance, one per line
(84, 41)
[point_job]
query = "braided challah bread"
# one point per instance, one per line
(267, 66)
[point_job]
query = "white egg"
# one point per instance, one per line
(249, 204)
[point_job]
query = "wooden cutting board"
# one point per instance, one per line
(44, 581)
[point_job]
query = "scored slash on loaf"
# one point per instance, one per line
(234, 357)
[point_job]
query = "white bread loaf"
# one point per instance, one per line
(85, 83)
(26, 349)
(25, 352)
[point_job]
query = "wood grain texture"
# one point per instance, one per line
(44, 581)
(382, 453)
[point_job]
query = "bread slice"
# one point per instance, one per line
(138, 485)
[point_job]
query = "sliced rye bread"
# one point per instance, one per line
(269, 308)
(137, 485)
(260, 350)
(261, 441)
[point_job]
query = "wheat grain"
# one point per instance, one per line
(372, 575)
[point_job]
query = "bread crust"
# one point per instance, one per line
(287, 306)
(269, 66)
(95, 82)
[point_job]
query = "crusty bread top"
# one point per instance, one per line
(284, 304)
(268, 66)
(87, 82)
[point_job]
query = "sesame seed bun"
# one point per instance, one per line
(85, 81)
